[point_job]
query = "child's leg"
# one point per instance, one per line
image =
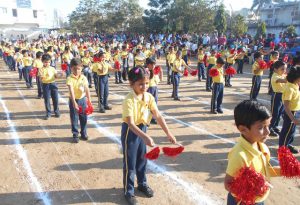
(74, 119)
(287, 133)
(46, 93)
(208, 78)
(141, 162)
(20, 73)
(120, 77)
(106, 91)
(173, 80)
(100, 92)
(83, 117)
(220, 97)
(95, 76)
(254, 88)
(30, 77)
(214, 98)
(39, 86)
(116, 77)
(199, 71)
(168, 75)
(26, 76)
(202, 69)
(176, 84)
(89, 78)
(54, 96)
(276, 104)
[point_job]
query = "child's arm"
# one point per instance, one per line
(87, 92)
(227, 181)
(274, 171)
(162, 123)
(288, 111)
(147, 139)
(72, 97)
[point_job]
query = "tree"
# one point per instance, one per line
(261, 29)
(291, 30)
(220, 19)
(239, 25)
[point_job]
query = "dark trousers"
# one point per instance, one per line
(39, 86)
(75, 116)
(95, 77)
(11, 62)
(256, 82)
(68, 71)
(176, 81)
(125, 68)
(217, 96)
(287, 133)
(228, 77)
(27, 77)
(134, 162)
(201, 71)
(270, 91)
(154, 91)
(168, 74)
(20, 71)
(102, 91)
(232, 201)
(185, 58)
(208, 78)
(118, 76)
(50, 90)
(88, 75)
(277, 109)
(240, 63)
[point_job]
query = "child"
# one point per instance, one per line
(211, 63)
(125, 64)
(252, 119)
(240, 60)
(201, 66)
(19, 64)
(79, 95)
(170, 60)
(27, 66)
(66, 58)
(230, 62)
(48, 75)
(291, 102)
(273, 58)
(278, 82)
(37, 63)
(86, 62)
(117, 58)
(138, 108)
(257, 76)
(218, 88)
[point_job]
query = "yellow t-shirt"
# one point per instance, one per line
(200, 58)
(27, 61)
(291, 93)
(67, 57)
(147, 53)
(230, 60)
(107, 56)
(37, 63)
(154, 81)
(220, 77)
(101, 68)
(255, 66)
(18, 57)
(171, 57)
(277, 87)
(78, 83)
(86, 61)
(116, 57)
(48, 75)
(10, 52)
(177, 65)
(184, 51)
(140, 110)
(243, 154)
(212, 60)
(124, 54)
(139, 60)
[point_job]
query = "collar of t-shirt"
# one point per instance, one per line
(250, 149)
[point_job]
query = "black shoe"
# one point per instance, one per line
(273, 133)
(177, 99)
(90, 86)
(57, 115)
(208, 90)
(131, 200)
(293, 149)
(107, 108)
(154, 122)
(116, 82)
(120, 81)
(276, 130)
(220, 111)
(75, 138)
(229, 85)
(85, 138)
(101, 110)
(46, 117)
(214, 112)
(146, 190)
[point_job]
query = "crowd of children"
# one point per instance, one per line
(88, 62)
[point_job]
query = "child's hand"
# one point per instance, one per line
(171, 138)
(149, 141)
(76, 107)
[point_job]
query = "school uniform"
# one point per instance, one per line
(103, 89)
(78, 83)
(27, 63)
(185, 55)
(67, 57)
(86, 61)
(10, 59)
(271, 71)
(230, 62)
(256, 81)
(118, 73)
(212, 61)
(125, 64)
(201, 67)
(39, 65)
(133, 146)
(277, 107)
(50, 89)
(240, 62)
(176, 75)
(170, 61)
(19, 65)
(95, 76)
(291, 94)
(217, 91)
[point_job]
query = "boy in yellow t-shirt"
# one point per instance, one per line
(252, 120)
(257, 76)
(125, 65)
(87, 71)
(37, 63)
(170, 60)
(19, 64)
(79, 95)
(218, 88)
(201, 66)
(211, 63)
(27, 66)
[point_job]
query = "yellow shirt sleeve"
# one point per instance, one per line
(235, 163)
(287, 94)
(128, 110)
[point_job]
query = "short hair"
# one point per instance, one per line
(248, 112)
(38, 54)
(293, 75)
(278, 64)
(24, 51)
(220, 61)
(75, 62)
(46, 57)
(150, 61)
(257, 55)
(296, 60)
(137, 73)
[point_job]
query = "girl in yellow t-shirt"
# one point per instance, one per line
(27, 66)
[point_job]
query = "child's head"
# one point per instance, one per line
(220, 62)
(139, 80)
(86, 53)
(296, 60)
(25, 53)
(178, 54)
(257, 56)
(294, 75)
(275, 54)
(101, 56)
(252, 120)
(46, 59)
(200, 51)
(76, 66)
(39, 54)
(279, 67)
(150, 63)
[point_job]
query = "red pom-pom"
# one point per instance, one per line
(185, 73)
(218, 55)
(80, 109)
(96, 59)
(263, 65)
(213, 72)
(280, 44)
(270, 63)
(64, 67)
(157, 70)
(248, 185)
(5, 54)
(173, 152)
(232, 51)
(84, 47)
(289, 165)
(284, 45)
(194, 72)
(230, 71)
(272, 44)
(285, 58)
(33, 72)
(117, 65)
(89, 109)
(153, 154)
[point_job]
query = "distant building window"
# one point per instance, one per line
(270, 16)
(34, 13)
(4, 10)
(15, 13)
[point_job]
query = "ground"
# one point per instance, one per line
(40, 165)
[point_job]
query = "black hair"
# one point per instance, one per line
(136, 74)
(248, 112)
(49, 48)
(24, 51)
(293, 75)
(100, 54)
(278, 64)
(75, 62)
(38, 54)
(67, 48)
(257, 55)
(274, 53)
(46, 57)
(150, 61)
(220, 61)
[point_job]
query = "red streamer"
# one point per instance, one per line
(263, 65)
(194, 72)
(230, 71)
(285, 58)
(157, 70)
(64, 67)
(153, 154)
(173, 152)
(289, 165)
(33, 72)
(213, 72)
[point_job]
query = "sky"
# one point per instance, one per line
(67, 6)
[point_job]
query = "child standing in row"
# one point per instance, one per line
(257, 76)
(201, 66)
(39, 65)
(87, 62)
(211, 63)
(27, 66)
(218, 88)
(138, 108)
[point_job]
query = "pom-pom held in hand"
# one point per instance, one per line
(156, 70)
(213, 72)
(33, 72)
(173, 151)
(185, 73)
(117, 65)
(289, 165)
(285, 58)
(88, 110)
(263, 65)
(96, 59)
(64, 67)
(153, 154)
(270, 63)
(194, 73)
(248, 185)
(218, 55)
(272, 44)
(230, 71)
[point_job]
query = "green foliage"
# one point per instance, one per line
(261, 29)
(239, 25)
(220, 22)
(291, 30)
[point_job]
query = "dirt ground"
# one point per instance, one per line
(40, 165)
